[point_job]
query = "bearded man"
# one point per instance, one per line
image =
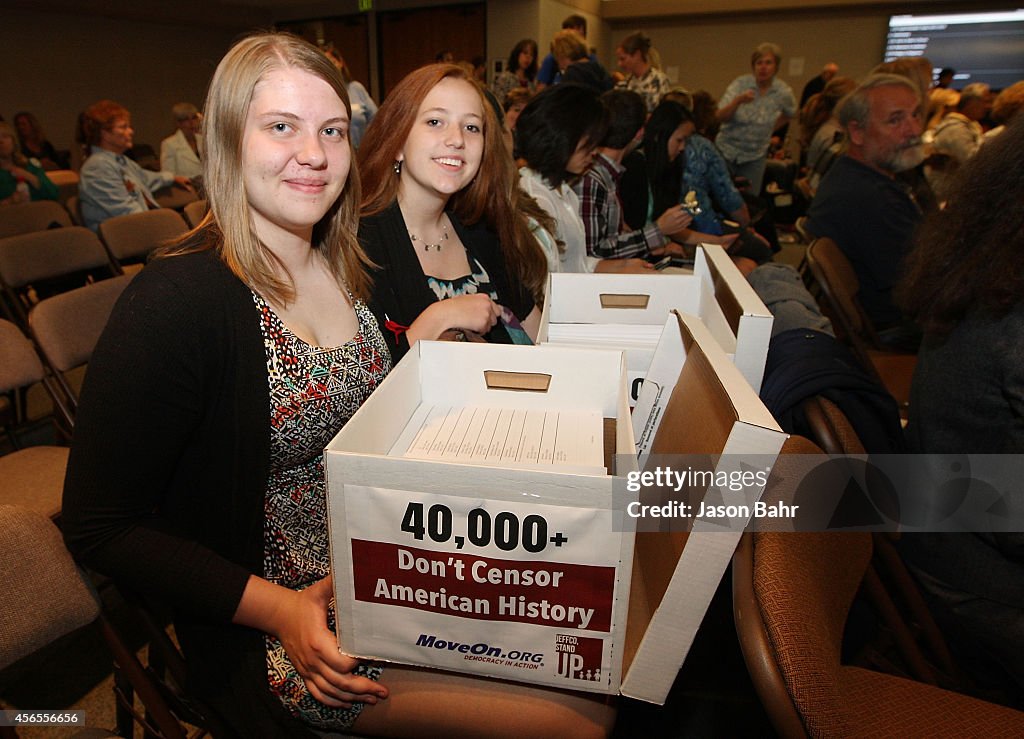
(861, 205)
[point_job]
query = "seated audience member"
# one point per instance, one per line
(917, 69)
(34, 144)
(1005, 107)
(941, 102)
(704, 108)
(652, 182)
(212, 343)
(21, 180)
(945, 77)
(452, 253)
(817, 84)
(861, 205)
(549, 73)
(576, 65)
(965, 286)
(110, 184)
(598, 189)
(520, 72)
(557, 135)
(753, 107)
(634, 58)
(959, 135)
(182, 152)
(363, 106)
(820, 131)
(513, 105)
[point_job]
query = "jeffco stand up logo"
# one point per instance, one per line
(579, 657)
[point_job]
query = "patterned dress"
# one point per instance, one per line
(313, 392)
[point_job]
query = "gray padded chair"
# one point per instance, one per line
(38, 262)
(196, 211)
(33, 477)
(131, 238)
(46, 596)
(37, 215)
(66, 328)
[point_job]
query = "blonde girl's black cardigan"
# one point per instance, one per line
(168, 470)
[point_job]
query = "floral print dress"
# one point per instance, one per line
(313, 392)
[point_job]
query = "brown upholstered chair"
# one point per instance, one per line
(33, 477)
(131, 238)
(195, 211)
(66, 328)
(74, 206)
(920, 648)
(37, 215)
(792, 594)
(36, 264)
(45, 596)
(838, 282)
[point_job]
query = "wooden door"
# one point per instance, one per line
(408, 39)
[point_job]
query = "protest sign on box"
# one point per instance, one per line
(513, 566)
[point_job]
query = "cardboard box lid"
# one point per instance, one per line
(716, 292)
(710, 409)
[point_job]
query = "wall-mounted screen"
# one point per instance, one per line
(981, 47)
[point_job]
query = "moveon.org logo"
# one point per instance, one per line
(480, 651)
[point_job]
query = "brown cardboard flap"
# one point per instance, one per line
(727, 301)
(698, 420)
(529, 382)
(699, 416)
(633, 302)
(655, 556)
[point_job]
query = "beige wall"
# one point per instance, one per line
(58, 64)
(508, 21)
(708, 54)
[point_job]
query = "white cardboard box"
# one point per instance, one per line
(416, 580)
(658, 609)
(609, 310)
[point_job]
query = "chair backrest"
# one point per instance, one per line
(67, 326)
(66, 181)
(790, 618)
(839, 282)
(45, 596)
(802, 229)
(19, 363)
(37, 215)
(45, 255)
(196, 211)
(132, 237)
(74, 206)
(830, 428)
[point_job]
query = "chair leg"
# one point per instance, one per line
(156, 707)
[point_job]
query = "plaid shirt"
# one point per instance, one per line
(602, 215)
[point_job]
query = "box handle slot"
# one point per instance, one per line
(528, 382)
(627, 301)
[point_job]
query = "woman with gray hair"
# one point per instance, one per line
(182, 152)
(753, 107)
